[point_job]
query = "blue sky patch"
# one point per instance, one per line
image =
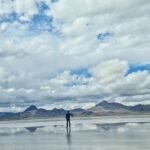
(82, 72)
(104, 36)
(140, 67)
(10, 18)
(41, 22)
(42, 7)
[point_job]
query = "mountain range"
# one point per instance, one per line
(102, 108)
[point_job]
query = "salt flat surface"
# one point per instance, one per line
(99, 133)
(76, 120)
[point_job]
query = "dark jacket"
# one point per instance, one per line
(68, 114)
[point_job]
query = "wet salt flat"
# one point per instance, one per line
(103, 133)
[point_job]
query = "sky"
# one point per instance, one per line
(73, 53)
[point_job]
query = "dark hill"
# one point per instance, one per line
(102, 108)
(31, 108)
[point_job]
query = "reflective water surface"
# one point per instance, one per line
(85, 134)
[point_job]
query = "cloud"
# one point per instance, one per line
(107, 17)
(110, 71)
(134, 84)
(132, 87)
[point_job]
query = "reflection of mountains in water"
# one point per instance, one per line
(33, 129)
(115, 126)
(6, 131)
(109, 126)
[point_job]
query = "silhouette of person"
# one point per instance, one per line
(68, 115)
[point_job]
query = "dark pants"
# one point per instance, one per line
(68, 122)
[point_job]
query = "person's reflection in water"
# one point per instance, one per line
(68, 136)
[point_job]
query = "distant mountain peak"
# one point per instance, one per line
(31, 108)
(110, 105)
(103, 103)
(102, 108)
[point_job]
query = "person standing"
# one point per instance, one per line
(68, 115)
